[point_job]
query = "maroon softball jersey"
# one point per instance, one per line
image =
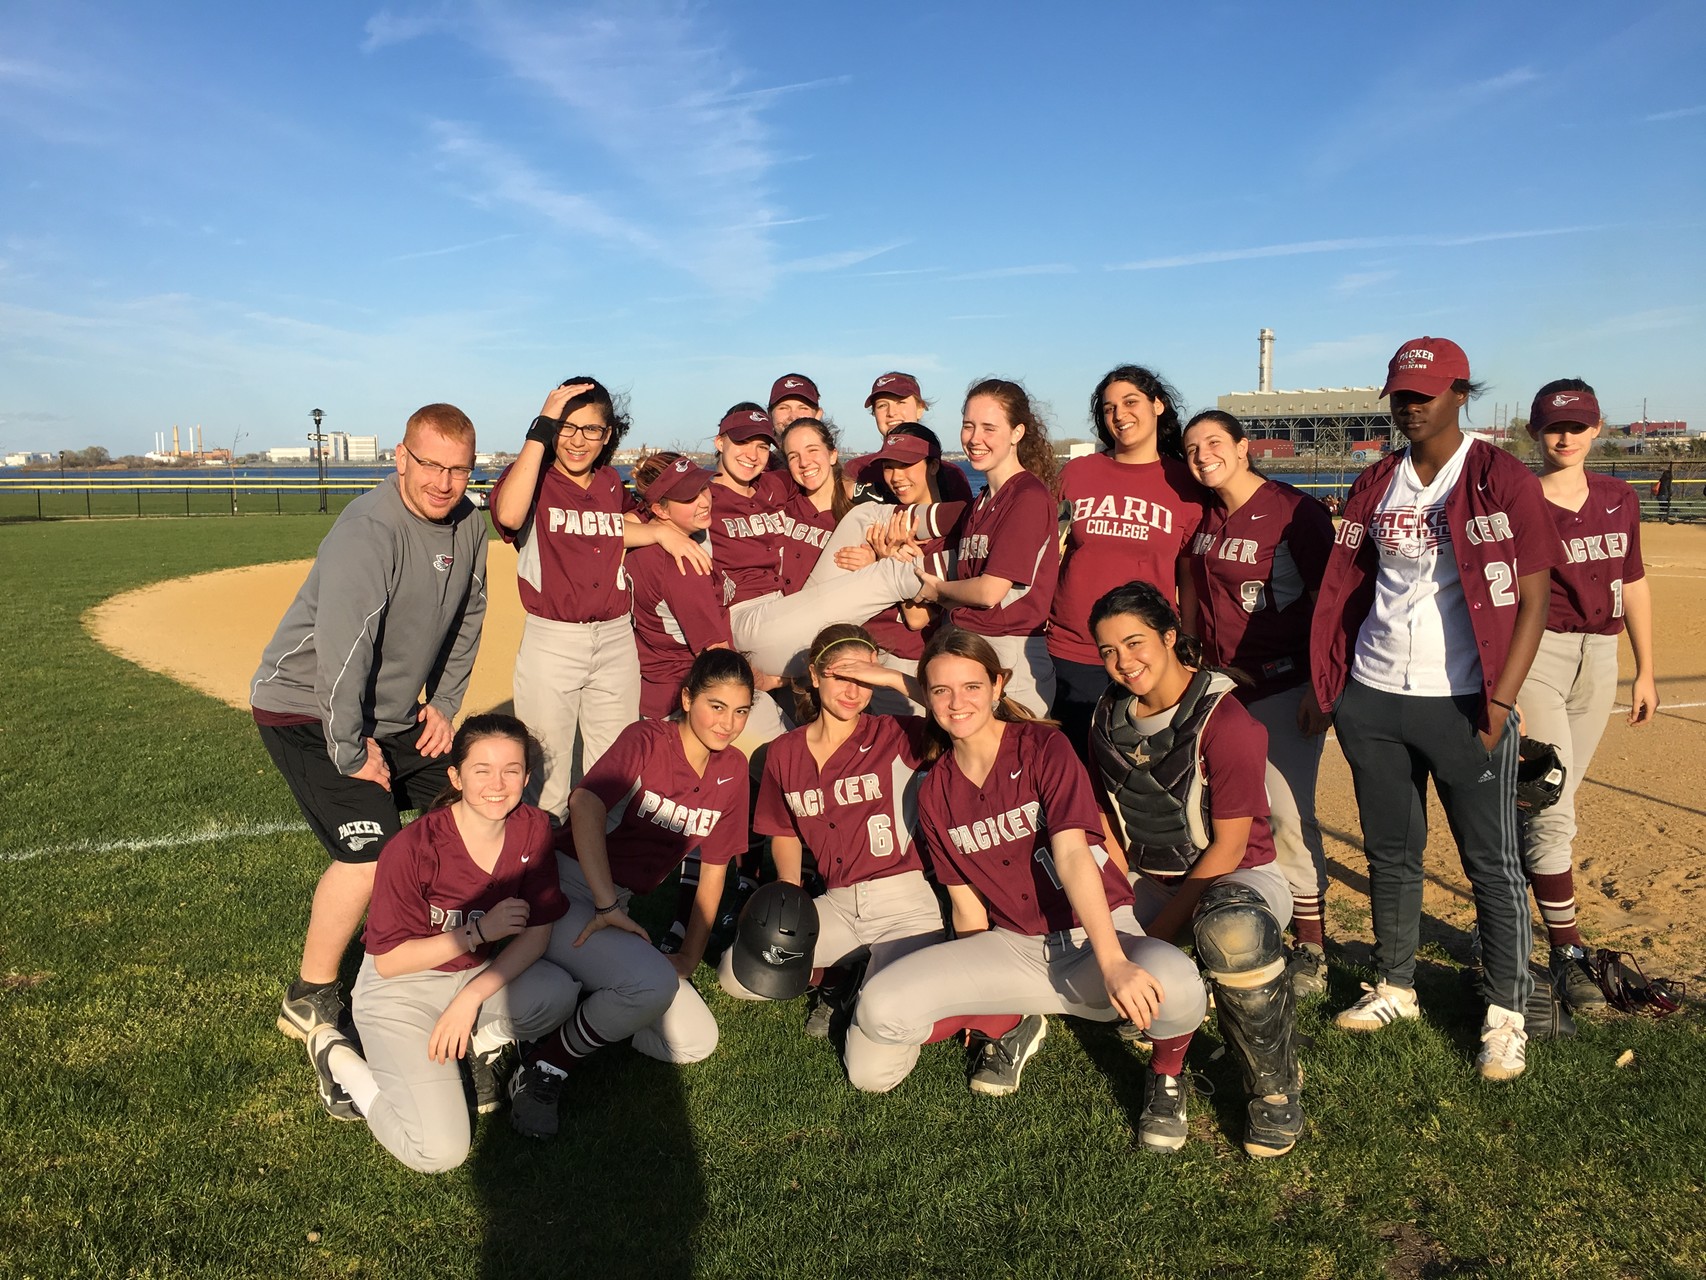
(1602, 553)
(855, 814)
(677, 616)
(1130, 520)
(1235, 761)
(995, 837)
(427, 883)
(805, 533)
(1012, 534)
(746, 534)
(569, 551)
(1254, 570)
(660, 810)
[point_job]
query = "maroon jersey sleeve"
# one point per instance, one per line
(612, 778)
(1235, 758)
(1016, 532)
(952, 483)
(540, 886)
(771, 817)
(1064, 787)
(508, 535)
(398, 910)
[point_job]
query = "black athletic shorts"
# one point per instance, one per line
(353, 817)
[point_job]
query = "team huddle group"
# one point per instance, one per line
(1015, 748)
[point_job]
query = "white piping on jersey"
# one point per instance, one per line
(332, 695)
(279, 665)
(613, 815)
(671, 627)
(211, 834)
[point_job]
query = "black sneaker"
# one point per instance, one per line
(670, 943)
(533, 1094)
(1307, 969)
(321, 1041)
(325, 1007)
(1003, 1061)
(1162, 1127)
(1573, 980)
(1272, 1128)
(1131, 1033)
(820, 1013)
(485, 1075)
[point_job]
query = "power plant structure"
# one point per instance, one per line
(1335, 421)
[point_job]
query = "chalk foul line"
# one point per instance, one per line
(208, 834)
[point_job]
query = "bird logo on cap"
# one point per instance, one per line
(885, 380)
(1561, 399)
(681, 465)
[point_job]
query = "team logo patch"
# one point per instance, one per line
(1561, 399)
(442, 561)
(778, 955)
(356, 836)
(791, 383)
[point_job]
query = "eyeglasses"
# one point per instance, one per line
(592, 433)
(435, 470)
(1631, 991)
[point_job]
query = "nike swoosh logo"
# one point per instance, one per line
(1015, 773)
(721, 781)
(864, 749)
(1481, 485)
(1614, 510)
(526, 860)
(1263, 516)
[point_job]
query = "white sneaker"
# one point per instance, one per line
(1381, 1003)
(1504, 1045)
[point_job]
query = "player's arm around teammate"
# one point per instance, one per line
(666, 788)
(1009, 544)
(844, 787)
(1598, 590)
(474, 871)
(1255, 561)
(1181, 770)
(1009, 824)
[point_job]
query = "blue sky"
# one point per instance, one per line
(231, 214)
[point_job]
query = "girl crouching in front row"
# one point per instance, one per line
(1043, 916)
(474, 870)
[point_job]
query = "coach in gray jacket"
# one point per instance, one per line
(357, 690)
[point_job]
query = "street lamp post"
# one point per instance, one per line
(232, 459)
(62, 471)
(319, 439)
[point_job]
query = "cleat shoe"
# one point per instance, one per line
(1381, 1003)
(820, 1013)
(1573, 980)
(1272, 1128)
(1003, 1061)
(670, 943)
(325, 1007)
(1131, 1033)
(1163, 1126)
(484, 1072)
(1307, 969)
(321, 1041)
(533, 1094)
(1504, 1045)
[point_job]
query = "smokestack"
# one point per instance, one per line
(174, 438)
(198, 439)
(1265, 370)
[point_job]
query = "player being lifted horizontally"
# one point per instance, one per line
(392, 607)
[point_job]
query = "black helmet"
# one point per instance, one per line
(774, 941)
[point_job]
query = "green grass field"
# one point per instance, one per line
(153, 1123)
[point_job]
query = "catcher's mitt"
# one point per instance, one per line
(1539, 776)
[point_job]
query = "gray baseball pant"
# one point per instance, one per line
(1032, 683)
(1269, 880)
(775, 630)
(1294, 766)
(1566, 701)
(629, 988)
(421, 1115)
(889, 918)
(574, 679)
(1393, 743)
(999, 972)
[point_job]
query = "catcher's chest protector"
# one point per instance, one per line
(1155, 782)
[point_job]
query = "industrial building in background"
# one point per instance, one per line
(1335, 421)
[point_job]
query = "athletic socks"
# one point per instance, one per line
(299, 989)
(1306, 920)
(1556, 894)
(1169, 1056)
(350, 1070)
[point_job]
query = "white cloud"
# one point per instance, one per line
(1356, 281)
(1343, 245)
(1008, 273)
(1400, 105)
(1678, 114)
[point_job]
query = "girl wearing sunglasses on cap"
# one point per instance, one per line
(1599, 591)
(1429, 614)
(570, 517)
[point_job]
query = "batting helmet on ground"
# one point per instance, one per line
(774, 941)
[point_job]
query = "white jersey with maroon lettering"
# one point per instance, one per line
(995, 836)
(856, 814)
(660, 810)
(1602, 554)
(569, 548)
(1254, 570)
(1129, 520)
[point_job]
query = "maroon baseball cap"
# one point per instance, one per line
(898, 385)
(741, 425)
(1427, 366)
(794, 386)
(1564, 406)
(681, 481)
(899, 451)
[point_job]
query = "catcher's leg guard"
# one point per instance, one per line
(1240, 944)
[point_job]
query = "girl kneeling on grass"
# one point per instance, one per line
(470, 872)
(1043, 916)
(844, 787)
(664, 790)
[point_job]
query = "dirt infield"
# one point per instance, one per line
(1641, 852)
